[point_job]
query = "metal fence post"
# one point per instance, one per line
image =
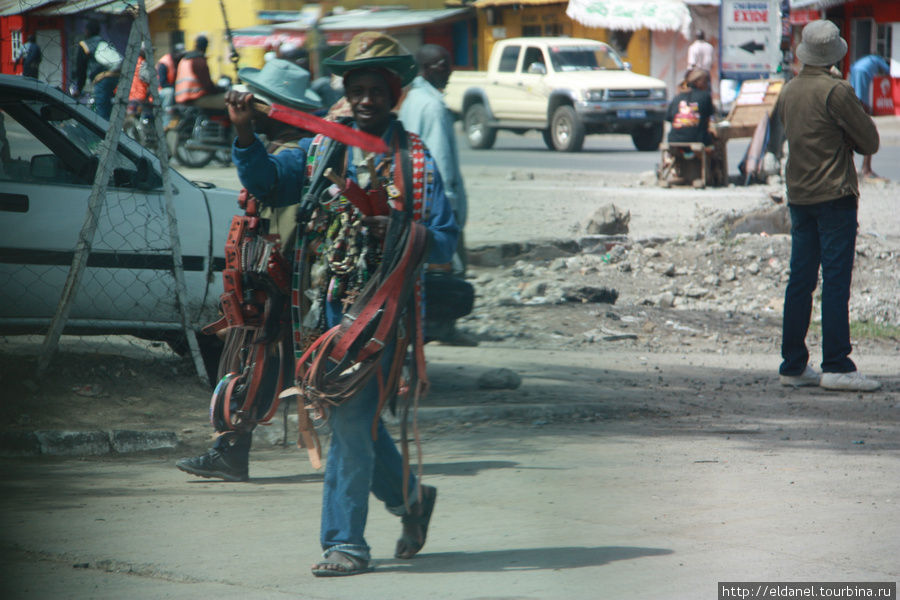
(98, 197)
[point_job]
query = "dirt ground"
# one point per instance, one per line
(689, 290)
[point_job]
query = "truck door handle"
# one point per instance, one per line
(14, 203)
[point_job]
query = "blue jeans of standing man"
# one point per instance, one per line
(357, 465)
(821, 234)
(103, 93)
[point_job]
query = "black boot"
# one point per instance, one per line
(215, 464)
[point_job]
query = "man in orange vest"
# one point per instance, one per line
(139, 93)
(140, 82)
(193, 83)
(166, 69)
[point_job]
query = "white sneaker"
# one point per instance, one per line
(853, 382)
(809, 377)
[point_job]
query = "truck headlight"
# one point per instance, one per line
(658, 94)
(594, 95)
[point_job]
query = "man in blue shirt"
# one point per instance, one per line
(374, 69)
(30, 57)
(861, 74)
(423, 112)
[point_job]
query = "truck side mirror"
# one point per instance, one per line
(537, 68)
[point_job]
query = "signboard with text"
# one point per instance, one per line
(751, 37)
(883, 90)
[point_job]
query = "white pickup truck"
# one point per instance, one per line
(564, 87)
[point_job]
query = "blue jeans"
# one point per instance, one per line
(103, 93)
(356, 465)
(823, 234)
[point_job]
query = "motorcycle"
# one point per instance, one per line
(140, 126)
(197, 135)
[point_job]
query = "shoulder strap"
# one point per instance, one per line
(406, 166)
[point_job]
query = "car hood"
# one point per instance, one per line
(603, 80)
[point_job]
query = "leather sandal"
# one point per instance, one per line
(340, 564)
(415, 524)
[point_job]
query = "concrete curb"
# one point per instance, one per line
(82, 443)
(92, 443)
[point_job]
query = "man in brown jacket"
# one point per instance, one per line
(825, 124)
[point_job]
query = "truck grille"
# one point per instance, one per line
(628, 94)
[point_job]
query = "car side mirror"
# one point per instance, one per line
(45, 167)
(537, 68)
(146, 177)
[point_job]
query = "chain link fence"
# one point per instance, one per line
(103, 250)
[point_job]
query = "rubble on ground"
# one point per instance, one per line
(737, 266)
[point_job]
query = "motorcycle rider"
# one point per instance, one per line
(193, 84)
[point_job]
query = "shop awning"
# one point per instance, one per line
(388, 20)
(50, 8)
(17, 7)
(798, 4)
(339, 29)
(113, 7)
(631, 15)
(489, 3)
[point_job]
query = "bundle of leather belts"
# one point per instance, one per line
(256, 361)
(381, 333)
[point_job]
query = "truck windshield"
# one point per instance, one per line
(585, 58)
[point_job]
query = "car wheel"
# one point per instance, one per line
(548, 139)
(647, 139)
(194, 159)
(480, 135)
(566, 130)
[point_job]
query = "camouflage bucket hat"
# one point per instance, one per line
(374, 50)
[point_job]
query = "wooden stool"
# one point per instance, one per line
(673, 161)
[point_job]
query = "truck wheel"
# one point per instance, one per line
(566, 130)
(479, 134)
(647, 139)
(548, 138)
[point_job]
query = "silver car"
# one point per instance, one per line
(49, 153)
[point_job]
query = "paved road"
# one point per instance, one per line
(644, 507)
(611, 153)
(616, 153)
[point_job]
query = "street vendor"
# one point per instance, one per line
(374, 68)
(691, 109)
(689, 113)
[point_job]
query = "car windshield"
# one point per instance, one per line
(585, 58)
(46, 142)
